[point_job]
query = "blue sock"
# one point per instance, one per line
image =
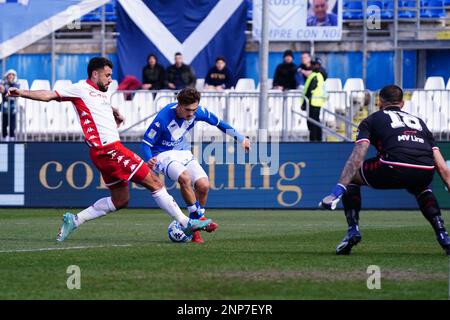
(195, 211)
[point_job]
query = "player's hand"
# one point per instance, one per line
(246, 144)
(118, 117)
(2, 89)
(152, 162)
(13, 92)
(330, 202)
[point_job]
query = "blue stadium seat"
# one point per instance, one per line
(432, 9)
(406, 9)
(110, 11)
(388, 9)
(249, 10)
(93, 16)
(353, 10)
(447, 3)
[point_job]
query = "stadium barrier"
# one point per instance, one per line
(57, 121)
(61, 175)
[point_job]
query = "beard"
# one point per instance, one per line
(101, 87)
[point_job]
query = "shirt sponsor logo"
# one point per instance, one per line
(407, 137)
(97, 95)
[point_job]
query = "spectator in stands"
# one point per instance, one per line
(314, 90)
(319, 16)
(307, 66)
(180, 75)
(8, 105)
(153, 74)
(219, 77)
(284, 78)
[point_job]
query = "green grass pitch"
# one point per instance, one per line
(254, 254)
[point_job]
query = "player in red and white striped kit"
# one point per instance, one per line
(117, 164)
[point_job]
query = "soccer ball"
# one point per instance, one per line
(176, 233)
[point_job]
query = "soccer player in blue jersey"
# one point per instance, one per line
(167, 150)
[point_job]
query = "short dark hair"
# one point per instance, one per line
(152, 55)
(97, 63)
(221, 58)
(178, 54)
(392, 94)
(188, 96)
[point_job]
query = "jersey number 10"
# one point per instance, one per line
(400, 120)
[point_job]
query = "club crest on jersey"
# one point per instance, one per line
(151, 134)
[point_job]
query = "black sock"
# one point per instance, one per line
(430, 210)
(352, 204)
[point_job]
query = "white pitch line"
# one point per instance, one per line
(66, 248)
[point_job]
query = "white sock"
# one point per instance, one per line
(97, 210)
(166, 202)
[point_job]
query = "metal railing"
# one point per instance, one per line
(58, 121)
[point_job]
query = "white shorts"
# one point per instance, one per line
(174, 162)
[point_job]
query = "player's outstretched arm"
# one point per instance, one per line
(351, 167)
(39, 95)
(441, 167)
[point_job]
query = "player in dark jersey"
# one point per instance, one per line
(407, 157)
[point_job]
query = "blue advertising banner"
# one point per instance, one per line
(62, 175)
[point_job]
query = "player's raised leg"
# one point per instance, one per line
(119, 199)
(431, 211)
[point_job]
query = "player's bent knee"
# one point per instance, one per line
(184, 179)
(202, 185)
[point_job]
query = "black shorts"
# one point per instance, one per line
(379, 175)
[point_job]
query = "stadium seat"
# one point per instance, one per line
(434, 83)
(110, 11)
(249, 10)
(388, 9)
(93, 16)
(407, 9)
(275, 110)
(432, 9)
(36, 111)
(199, 85)
(215, 103)
(353, 10)
(163, 98)
(354, 88)
(333, 84)
(297, 125)
(56, 113)
(245, 84)
(23, 85)
(243, 111)
(336, 97)
(269, 84)
(143, 108)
